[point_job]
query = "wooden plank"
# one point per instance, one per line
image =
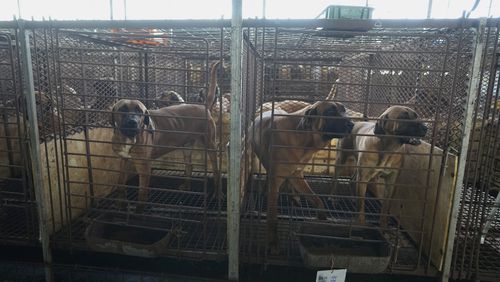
(435, 207)
(76, 200)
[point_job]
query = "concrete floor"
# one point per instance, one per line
(24, 264)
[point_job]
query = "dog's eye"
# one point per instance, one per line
(404, 115)
(123, 109)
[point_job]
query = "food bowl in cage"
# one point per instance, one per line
(129, 235)
(359, 249)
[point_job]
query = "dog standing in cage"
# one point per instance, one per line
(142, 135)
(379, 154)
(284, 143)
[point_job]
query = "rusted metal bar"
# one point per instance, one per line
(474, 83)
(339, 24)
(233, 187)
(34, 147)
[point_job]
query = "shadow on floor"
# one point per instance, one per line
(24, 264)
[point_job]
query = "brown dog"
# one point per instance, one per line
(291, 106)
(377, 149)
(141, 135)
(288, 106)
(169, 98)
(286, 142)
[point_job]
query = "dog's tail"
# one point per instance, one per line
(333, 91)
(212, 86)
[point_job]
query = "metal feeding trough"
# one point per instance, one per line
(360, 250)
(132, 235)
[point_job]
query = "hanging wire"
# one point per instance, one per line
(473, 8)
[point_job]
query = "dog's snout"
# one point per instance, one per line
(132, 123)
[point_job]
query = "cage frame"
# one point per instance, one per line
(29, 89)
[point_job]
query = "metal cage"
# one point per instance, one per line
(18, 216)
(79, 74)
(80, 69)
(477, 253)
(423, 68)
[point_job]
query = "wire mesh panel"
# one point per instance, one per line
(150, 191)
(18, 219)
(477, 252)
(134, 147)
(317, 82)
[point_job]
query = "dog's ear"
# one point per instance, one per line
(307, 122)
(380, 124)
(148, 122)
(340, 107)
(112, 115)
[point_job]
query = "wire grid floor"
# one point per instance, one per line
(341, 212)
(18, 215)
(488, 260)
(202, 220)
(65, 272)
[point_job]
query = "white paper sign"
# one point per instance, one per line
(337, 275)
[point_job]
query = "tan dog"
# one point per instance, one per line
(378, 152)
(291, 106)
(141, 135)
(12, 131)
(169, 98)
(288, 106)
(284, 146)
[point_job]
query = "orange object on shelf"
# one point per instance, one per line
(143, 42)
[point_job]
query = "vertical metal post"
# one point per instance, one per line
(479, 44)
(264, 9)
(19, 16)
(429, 9)
(125, 9)
(233, 187)
(146, 80)
(34, 147)
(111, 9)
